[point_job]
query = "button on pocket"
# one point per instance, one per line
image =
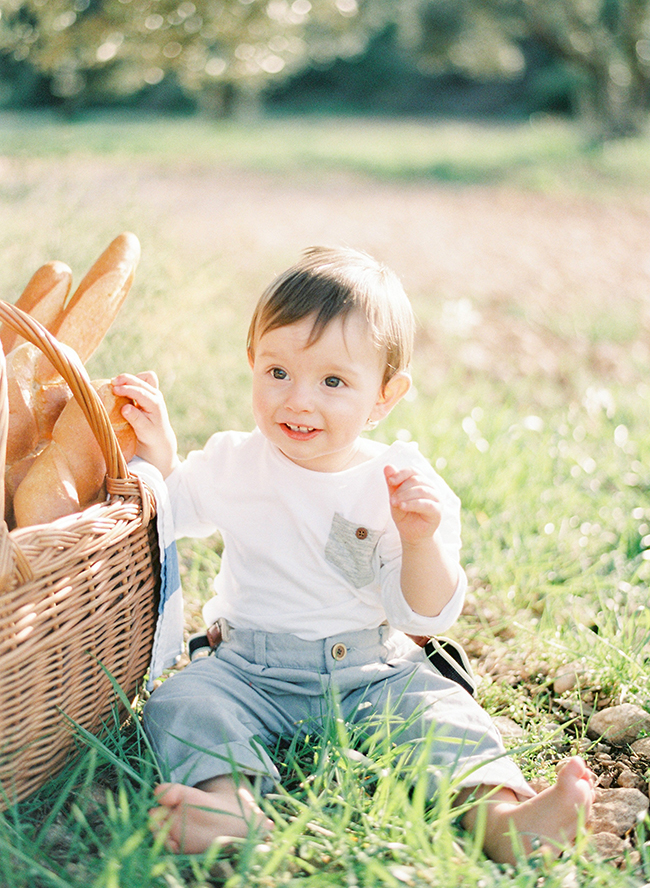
(339, 651)
(352, 548)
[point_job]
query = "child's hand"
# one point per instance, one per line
(149, 419)
(414, 505)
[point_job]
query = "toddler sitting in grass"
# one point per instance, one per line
(335, 547)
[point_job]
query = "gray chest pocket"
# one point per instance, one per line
(350, 549)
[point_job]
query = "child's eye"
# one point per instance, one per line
(333, 381)
(278, 373)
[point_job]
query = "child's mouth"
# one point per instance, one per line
(298, 431)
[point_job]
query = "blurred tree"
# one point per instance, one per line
(606, 44)
(215, 48)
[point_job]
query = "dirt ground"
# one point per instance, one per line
(524, 282)
(519, 283)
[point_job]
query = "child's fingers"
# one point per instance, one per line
(126, 383)
(408, 495)
(145, 396)
(129, 378)
(395, 477)
(135, 416)
(408, 485)
(424, 506)
(150, 377)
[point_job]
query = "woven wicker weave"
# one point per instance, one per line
(73, 594)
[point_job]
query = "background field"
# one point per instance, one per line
(527, 258)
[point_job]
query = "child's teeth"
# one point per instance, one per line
(299, 428)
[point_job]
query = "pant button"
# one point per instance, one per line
(339, 651)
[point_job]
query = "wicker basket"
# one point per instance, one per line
(74, 594)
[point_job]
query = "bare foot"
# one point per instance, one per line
(548, 821)
(193, 817)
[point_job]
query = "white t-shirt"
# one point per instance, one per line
(305, 552)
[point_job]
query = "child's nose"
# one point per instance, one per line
(299, 399)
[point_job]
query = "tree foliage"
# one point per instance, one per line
(605, 42)
(90, 48)
(118, 46)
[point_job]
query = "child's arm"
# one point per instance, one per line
(429, 575)
(149, 419)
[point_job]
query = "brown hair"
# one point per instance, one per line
(331, 282)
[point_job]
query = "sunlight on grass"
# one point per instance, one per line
(530, 398)
(544, 153)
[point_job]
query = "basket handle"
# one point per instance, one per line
(13, 564)
(69, 365)
(6, 552)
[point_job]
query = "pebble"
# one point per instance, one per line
(579, 708)
(609, 845)
(616, 850)
(603, 757)
(618, 810)
(642, 747)
(619, 724)
(565, 681)
(508, 728)
(628, 778)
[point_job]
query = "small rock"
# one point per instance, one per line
(628, 778)
(619, 724)
(615, 850)
(603, 757)
(618, 810)
(565, 681)
(508, 728)
(579, 708)
(642, 747)
(609, 845)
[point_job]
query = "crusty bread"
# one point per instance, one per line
(34, 406)
(22, 434)
(113, 403)
(43, 298)
(47, 491)
(72, 465)
(14, 475)
(95, 303)
(46, 481)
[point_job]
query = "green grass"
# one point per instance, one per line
(552, 466)
(545, 154)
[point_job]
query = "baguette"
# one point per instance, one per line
(43, 298)
(47, 491)
(95, 303)
(14, 475)
(34, 404)
(69, 473)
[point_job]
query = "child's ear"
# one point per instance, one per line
(394, 390)
(249, 355)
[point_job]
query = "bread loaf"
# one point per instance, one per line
(43, 298)
(34, 404)
(48, 490)
(69, 474)
(113, 403)
(14, 475)
(95, 303)
(46, 481)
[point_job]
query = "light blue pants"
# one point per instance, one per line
(223, 713)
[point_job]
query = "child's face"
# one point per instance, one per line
(313, 401)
